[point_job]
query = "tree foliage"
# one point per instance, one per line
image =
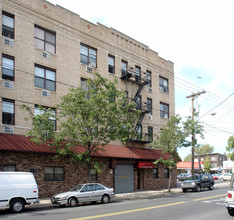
(230, 147)
(90, 116)
(193, 127)
(204, 149)
(207, 164)
(169, 140)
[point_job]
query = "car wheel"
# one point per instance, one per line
(184, 190)
(198, 189)
(211, 187)
(231, 212)
(17, 205)
(72, 202)
(105, 199)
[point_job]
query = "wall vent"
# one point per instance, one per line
(8, 85)
(45, 93)
(150, 117)
(8, 42)
(89, 69)
(45, 54)
(8, 129)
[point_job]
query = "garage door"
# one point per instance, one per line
(124, 178)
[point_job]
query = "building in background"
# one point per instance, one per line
(186, 167)
(216, 160)
(45, 50)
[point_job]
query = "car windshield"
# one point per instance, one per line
(77, 188)
(194, 177)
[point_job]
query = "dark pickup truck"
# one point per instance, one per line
(197, 182)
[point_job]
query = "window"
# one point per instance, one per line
(88, 55)
(213, 158)
(149, 106)
(33, 170)
(44, 78)
(44, 39)
(139, 131)
(164, 110)
(99, 187)
(8, 111)
(138, 74)
(138, 103)
(163, 84)
(155, 173)
(9, 168)
(111, 64)
(148, 77)
(150, 133)
(38, 111)
(93, 175)
(7, 25)
(166, 173)
(8, 67)
(54, 173)
(88, 188)
(124, 67)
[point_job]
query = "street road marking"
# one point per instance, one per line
(128, 211)
(209, 197)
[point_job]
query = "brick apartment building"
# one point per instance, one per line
(45, 50)
(216, 160)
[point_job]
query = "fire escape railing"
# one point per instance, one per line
(141, 82)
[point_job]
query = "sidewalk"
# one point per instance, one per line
(146, 194)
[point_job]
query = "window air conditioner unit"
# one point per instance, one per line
(150, 117)
(8, 42)
(89, 69)
(8, 85)
(45, 93)
(149, 89)
(45, 54)
(8, 129)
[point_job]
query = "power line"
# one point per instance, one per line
(216, 106)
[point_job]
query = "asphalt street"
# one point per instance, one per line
(207, 204)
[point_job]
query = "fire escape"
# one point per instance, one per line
(131, 76)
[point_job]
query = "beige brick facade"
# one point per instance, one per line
(71, 32)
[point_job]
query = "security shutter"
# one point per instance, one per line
(124, 178)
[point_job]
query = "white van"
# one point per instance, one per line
(17, 189)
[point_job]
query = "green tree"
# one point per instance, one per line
(169, 140)
(188, 158)
(90, 116)
(204, 149)
(230, 147)
(193, 127)
(207, 164)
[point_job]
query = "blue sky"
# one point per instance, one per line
(197, 36)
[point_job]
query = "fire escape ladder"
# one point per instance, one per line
(140, 120)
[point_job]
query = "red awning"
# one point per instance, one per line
(145, 165)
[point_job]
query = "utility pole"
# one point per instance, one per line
(193, 96)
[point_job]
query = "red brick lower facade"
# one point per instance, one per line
(75, 173)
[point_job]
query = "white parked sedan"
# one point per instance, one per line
(226, 176)
(89, 192)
